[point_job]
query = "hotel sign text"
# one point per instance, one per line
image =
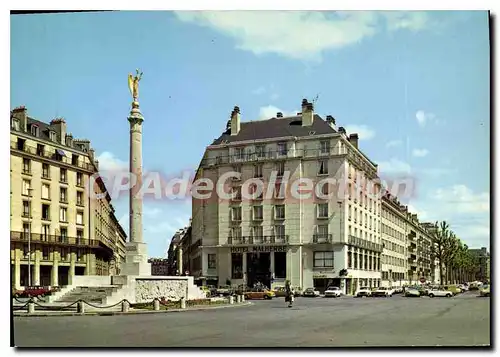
(259, 249)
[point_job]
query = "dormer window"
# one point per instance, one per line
(15, 124)
(52, 135)
(35, 130)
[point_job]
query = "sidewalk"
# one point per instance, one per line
(117, 311)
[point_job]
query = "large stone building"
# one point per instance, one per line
(483, 272)
(273, 236)
(178, 255)
(394, 242)
(421, 261)
(54, 221)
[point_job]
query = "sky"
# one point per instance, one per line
(413, 85)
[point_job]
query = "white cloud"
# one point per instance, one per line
(466, 211)
(270, 111)
(269, 90)
(394, 143)
(259, 91)
(394, 166)
(109, 162)
(364, 132)
(420, 152)
(302, 35)
(423, 118)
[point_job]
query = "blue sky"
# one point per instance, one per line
(414, 85)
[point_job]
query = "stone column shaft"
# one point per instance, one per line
(135, 202)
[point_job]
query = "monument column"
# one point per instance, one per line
(136, 259)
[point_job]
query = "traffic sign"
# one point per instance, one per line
(422, 280)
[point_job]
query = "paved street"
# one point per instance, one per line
(397, 321)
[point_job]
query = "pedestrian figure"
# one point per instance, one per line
(288, 294)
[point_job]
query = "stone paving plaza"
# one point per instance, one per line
(463, 320)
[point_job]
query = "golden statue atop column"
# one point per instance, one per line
(133, 84)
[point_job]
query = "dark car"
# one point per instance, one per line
(310, 292)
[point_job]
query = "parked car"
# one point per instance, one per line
(224, 290)
(364, 291)
(333, 291)
(259, 294)
(383, 291)
(454, 289)
(484, 290)
(397, 289)
(310, 292)
(279, 291)
(412, 292)
(440, 292)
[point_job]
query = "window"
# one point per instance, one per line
(236, 214)
(323, 259)
(40, 150)
(46, 212)
(236, 168)
(79, 198)
(45, 231)
(278, 190)
(63, 232)
(279, 231)
(349, 260)
(74, 158)
(79, 234)
(26, 166)
(63, 194)
(325, 147)
(26, 209)
(280, 168)
(282, 151)
(236, 232)
(63, 175)
(323, 167)
(35, 130)
(45, 171)
(45, 191)
(258, 170)
(20, 144)
(279, 212)
(52, 135)
(15, 124)
(79, 179)
(26, 229)
(63, 211)
(79, 217)
(260, 150)
(323, 210)
(237, 191)
(257, 231)
(238, 153)
(323, 231)
(64, 253)
(257, 213)
(212, 261)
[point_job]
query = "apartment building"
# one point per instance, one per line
(421, 261)
(483, 256)
(179, 251)
(394, 242)
(56, 226)
(273, 235)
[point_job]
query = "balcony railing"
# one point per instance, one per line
(362, 243)
(50, 155)
(322, 238)
(271, 155)
(53, 239)
(275, 239)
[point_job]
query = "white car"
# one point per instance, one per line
(333, 291)
(383, 291)
(440, 292)
(364, 291)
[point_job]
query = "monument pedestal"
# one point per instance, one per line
(136, 260)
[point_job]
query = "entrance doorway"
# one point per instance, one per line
(259, 269)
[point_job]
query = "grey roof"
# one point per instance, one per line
(44, 128)
(276, 128)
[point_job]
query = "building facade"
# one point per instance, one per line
(273, 236)
(421, 262)
(483, 257)
(394, 242)
(55, 224)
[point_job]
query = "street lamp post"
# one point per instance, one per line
(29, 236)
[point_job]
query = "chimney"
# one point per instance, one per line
(279, 115)
(21, 114)
(353, 139)
(331, 121)
(342, 130)
(59, 125)
(228, 126)
(307, 113)
(235, 121)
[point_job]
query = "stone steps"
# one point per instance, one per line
(93, 295)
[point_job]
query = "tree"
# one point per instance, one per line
(439, 247)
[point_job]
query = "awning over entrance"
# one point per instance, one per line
(60, 152)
